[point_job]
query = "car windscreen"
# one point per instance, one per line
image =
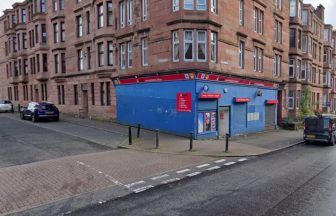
(2, 102)
(317, 123)
(47, 106)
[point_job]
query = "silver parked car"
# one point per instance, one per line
(6, 106)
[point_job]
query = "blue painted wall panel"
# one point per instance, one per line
(238, 115)
(153, 105)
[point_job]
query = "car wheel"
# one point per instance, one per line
(56, 118)
(33, 118)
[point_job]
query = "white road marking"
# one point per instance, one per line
(170, 180)
(203, 165)
(213, 168)
(243, 159)
(138, 190)
(183, 171)
(115, 181)
(230, 163)
(160, 177)
(194, 174)
(220, 161)
(135, 183)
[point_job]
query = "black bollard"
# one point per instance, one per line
(138, 132)
(191, 141)
(157, 139)
(227, 143)
(129, 135)
(19, 108)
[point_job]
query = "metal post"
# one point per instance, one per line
(129, 135)
(138, 132)
(191, 141)
(227, 143)
(19, 108)
(157, 138)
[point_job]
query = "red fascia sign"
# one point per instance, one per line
(209, 95)
(272, 102)
(241, 100)
(183, 102)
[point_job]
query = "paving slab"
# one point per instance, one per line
(247, 145)
(27, 186)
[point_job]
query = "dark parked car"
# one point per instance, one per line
(37, 111)
(320, 129)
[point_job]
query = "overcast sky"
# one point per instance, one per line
(330, 6)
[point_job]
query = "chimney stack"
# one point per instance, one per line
(320, 12)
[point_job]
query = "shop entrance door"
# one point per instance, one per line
(224, 121)
(270, 117)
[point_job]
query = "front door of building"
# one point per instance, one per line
(85, 102)
(224, 121)
(270, 117)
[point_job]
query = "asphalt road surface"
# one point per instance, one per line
(22, 142)
(297, 181)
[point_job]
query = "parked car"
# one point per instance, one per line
(6, 106)
(37, 111)
(320, 129)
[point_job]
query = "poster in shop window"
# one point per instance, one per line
(207, 122)
(200, 122)
(207, 117)
(213, 121)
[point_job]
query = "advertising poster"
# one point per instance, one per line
(213, 121)
(200, 122)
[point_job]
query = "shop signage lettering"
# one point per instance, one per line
(272, 102)
(209, 95)
(183, 102)
(241, 100)
(191, 76)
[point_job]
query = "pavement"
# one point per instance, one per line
(243, 146)
(64, 183)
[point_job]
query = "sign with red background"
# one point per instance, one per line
(183, 102)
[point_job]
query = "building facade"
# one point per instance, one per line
(218, 66)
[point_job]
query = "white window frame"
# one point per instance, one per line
(291, 98)
(144, 8)
(188, 42)
(201, 5)
(241, 53)
(81, 60)
(144, 51)
(129, 12)
(176, 43)
(292, 68)
(189, 5)
(122, 14)
(241, 12)
(110, 53)
(122, 56)
(213, 5)
(129, 55)
(175, 5)
(213, 43)
(200, 42)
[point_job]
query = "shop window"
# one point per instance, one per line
(207, 121)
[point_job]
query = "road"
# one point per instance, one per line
(297, 181)
(23, 142)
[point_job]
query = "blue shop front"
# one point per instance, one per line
(207, 105)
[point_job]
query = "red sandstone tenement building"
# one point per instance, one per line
(69, 52)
